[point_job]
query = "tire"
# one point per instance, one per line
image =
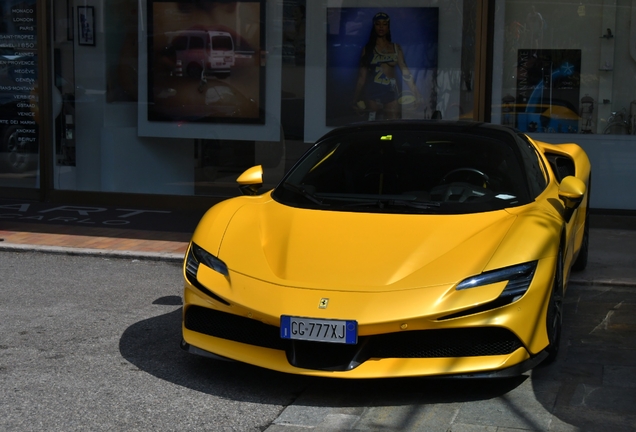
(554, 316)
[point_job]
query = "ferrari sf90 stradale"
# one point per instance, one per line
(392, 249)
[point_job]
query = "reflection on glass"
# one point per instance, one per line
(19, 135)
(565, 66)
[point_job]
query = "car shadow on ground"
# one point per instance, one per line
(588, 387)
(152, 345)
(592, 384)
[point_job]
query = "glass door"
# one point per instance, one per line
(19, 119)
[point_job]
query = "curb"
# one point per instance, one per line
(603, 282)
(105, 253)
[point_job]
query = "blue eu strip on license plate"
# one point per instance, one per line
(319, 330)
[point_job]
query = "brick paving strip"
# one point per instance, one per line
(100, 241)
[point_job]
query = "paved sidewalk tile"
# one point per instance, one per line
(112, 239)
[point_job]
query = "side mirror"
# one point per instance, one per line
(251, 180)
(571, 192)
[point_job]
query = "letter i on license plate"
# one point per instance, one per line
(319, 330)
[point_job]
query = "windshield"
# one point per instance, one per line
(409, 171)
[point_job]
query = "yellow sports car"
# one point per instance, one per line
(393, 249)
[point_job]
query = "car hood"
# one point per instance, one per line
(353, 251)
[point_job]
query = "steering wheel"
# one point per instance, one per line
(466, 178)
(458, 192)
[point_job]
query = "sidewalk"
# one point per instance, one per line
(160, 234)
(612, 259)
(113, 242)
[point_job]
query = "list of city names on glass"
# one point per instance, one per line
(18, 70)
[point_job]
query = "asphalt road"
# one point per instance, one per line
(93, 344)
(89, 343)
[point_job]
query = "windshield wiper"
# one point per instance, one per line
(424, 205)
(302, 191)
(382, 203)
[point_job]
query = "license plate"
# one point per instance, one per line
(319, 330)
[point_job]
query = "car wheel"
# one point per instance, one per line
(468, 175)
(554, 317)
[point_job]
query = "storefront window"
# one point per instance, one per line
(167, 97)
(564, 71)
(19, 144)
(565, 67)
(179, 97)
(399, 60)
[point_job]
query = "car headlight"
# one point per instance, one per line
(518, 277)
(197, 255)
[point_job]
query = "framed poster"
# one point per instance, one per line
(548, 86)
(208, 62)
(336, 37)
(86, 25)
(381, 63)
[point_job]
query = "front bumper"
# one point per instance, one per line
(511, 371)
(484, 367)
(401, 333)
